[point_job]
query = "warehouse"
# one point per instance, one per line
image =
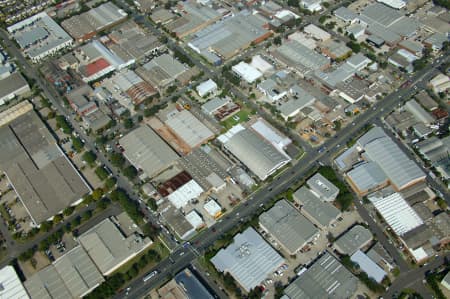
(231, 35)
(298, 99)
(134, 86)
(319, 212)
(109, 247)
(206, 88)
(366, 177)
(195, 219)
(300, 58)
(398, 167)
(317, 33)
(39, 36)
(12, 287)
(356, 238)
(367, 265)
(323, 187)
(161, 70)
(261, 64)
(248, 259)
(419, 113)
(288, 227)
(43, 178)
(180, 189)
(246, 72)
(192, 131)
(84, 26)
(75, 271)
(213, 208)
(346, 15)
(326, 278)
(258, 154)
(13, 86)
(396, 211)
(176, 221)
(147, 151)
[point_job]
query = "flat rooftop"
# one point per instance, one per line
(42, 176)
(189, 128)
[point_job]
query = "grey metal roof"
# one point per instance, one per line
(288, 226)
(419, 113)
(345, 14)
(168, 64)
(352, 240)
(42, 176)
(300, 98)
(326, 278)
(193, 287)
(397, 166)
(216, 103)
(367, 176)
(47, 284)
(249, 259)
(323, 187)
(189, 128)
(381, 14)
(147, 151)
(12, 85)
(322, 212)
(297, 55)
(108, 247)
(78, 272)
(259, 155)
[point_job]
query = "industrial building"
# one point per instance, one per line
(194, 17)
(326, 190)
(436, 151)
(97, 61)
(226, 38)
(185, 285)
(12, 287)
(248, 259)
(346, 15)
(161, 70)
(43, 178)
(288, 227)
(134, 86)
(206, 88)
(147, 151)
(297, 99)
(86, 25)
(255, 152)
(39, 36)
(326, 278)
(420, 114)
(176, 221)
(440, 83)
(247, 72)
(300, 58)
(180, 189)
(367, 265)
(387, 163)
(221, 108)
(13, 86)
(186, 126)
(317, 33)
(112, 243)
(133, 41)
(73, 275)
(396, 211)
(352, 240)
(319, 212)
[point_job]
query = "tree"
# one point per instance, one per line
(337, 125)
(68, 211)
(128, 123)
(77, 144)
(110, 183)
(97, 194)
(151, 202)
(151, 230)
(88, 199)
(277, 40)
(354, 46)
(293, 3)
(89, 157)
(117, 159)
(103, 203)
(46, 226)
(58, 218)
(130, 172)
(101, 140)
(86, 215)
(101, 173)
(44, 245)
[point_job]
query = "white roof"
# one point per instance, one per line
(212, 207)
(249, 259)
(206, 87)
(397, 213)
(12, 287)
(367, 265)
(247, 72)
(260, 64)
(270, 134)
(301, 38)
(419, 253)
(180, 197)
(317, 33)
(194, 219)
(397, 4)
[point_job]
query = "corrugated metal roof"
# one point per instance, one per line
(367, 265)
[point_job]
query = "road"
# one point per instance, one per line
(283, 182)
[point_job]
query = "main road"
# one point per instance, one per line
(184, 256)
